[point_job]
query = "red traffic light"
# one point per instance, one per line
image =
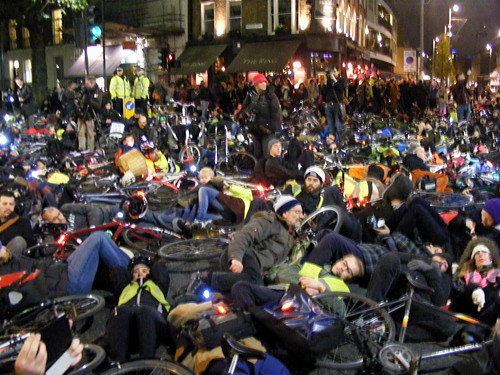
(171, 57)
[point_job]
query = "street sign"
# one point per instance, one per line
(128, 107)
(410, 61)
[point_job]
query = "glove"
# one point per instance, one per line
(419, 265)
(128, 178)
(478, 298)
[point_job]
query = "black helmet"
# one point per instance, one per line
(139, 259)
(136, 205)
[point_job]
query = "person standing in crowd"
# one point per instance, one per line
(26, 100)
(263, 111)
(333, 94)
(90, 107)
(68, 101)
(461, 96)
(141, 89)
(205, 97)
(119, 88)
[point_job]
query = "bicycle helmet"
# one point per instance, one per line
(136, 205)
(147, 146)
(140, 259)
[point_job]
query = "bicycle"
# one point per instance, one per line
(142, 239)
(370, 332)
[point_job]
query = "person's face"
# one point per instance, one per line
(7, 206)
(140, 72)
(119, 72)
(261, 87)
(347, 268)
(142, 122)
(204, 178)
(54, 216)
(482, 258)
(107, 106)
(421, 153)
(140, 271)
(434, 249)
(153, 155)
(293, 217)
(129, 141)
(441, 263)
(4, 255)
(40, 166)
(487, 219)
(275, 150)
(19, 83)
(312, 184)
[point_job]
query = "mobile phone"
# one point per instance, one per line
(57, 337)
(376, 223)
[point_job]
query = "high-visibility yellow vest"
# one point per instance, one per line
(141, 87)
(119, 87)
(132, 289)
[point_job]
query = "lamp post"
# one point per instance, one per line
(434, 41)
(455, 8)
(489, 49)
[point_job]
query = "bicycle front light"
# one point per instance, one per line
(119, 215)
(193, 168)
(3, 140)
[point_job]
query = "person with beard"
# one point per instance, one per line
(90, 106)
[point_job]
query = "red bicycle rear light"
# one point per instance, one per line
(287, 306)
(62, 239)
(260, 188)
(221, 309)
(141, 193)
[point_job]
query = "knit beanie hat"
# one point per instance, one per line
(493, 208)
(400, 188)
(315, 172)
(271, 143)
(258, 78)
(478, 248)
(285, 203)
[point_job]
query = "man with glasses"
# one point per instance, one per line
(263, 243)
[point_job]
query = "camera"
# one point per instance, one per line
(57, 337)
(375, 223)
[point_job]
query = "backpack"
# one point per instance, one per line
(20, 290)
(205, 331)
(299, 325)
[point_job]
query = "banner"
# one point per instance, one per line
(410, 61)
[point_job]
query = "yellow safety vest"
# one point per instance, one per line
(141, 87)
(352, 187)
(297, 189)
(119, 87)
(132, 289)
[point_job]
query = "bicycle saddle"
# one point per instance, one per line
(417, 284)
(230, 346)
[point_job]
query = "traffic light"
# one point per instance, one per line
(163, 56)
(93, 29)
(172, 62)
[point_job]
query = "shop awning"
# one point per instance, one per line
(114, 56)
(197, 59)
(264, 57)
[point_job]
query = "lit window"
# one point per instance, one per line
(208, 19)
(26, 38)
(28, 77)
(284, 16)
(57, 26)
(234, 15)
(13, 34)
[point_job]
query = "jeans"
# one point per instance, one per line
(386, 272)
(83, 263)
(208, 197)
(245, 294)
(223, 281)
(333, 117)
(159, 219)
(463, 112)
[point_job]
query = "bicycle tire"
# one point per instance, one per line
(194, 249)
(238, 163)
(446, 201)
(337, 219)
(149, 366)
(146, 243)
(76, 307)
(360, 314)
(195, 153)
(92, 357)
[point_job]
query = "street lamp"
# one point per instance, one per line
(434, 41)
(455, 8)
(489, 49)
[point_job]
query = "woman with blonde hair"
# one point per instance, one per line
(477, 283)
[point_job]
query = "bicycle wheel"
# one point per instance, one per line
(92, 357)
(191, 155)
(328, 216)
(149, 366)
(193, 250)
(147, 240)
(238, 163)
(76, 307)
(366, 325)
(446, 201)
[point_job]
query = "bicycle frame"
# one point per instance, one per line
(119, 225)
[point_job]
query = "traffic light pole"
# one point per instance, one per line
(86, 55)
(103, 42)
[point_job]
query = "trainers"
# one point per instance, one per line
(202, 224)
